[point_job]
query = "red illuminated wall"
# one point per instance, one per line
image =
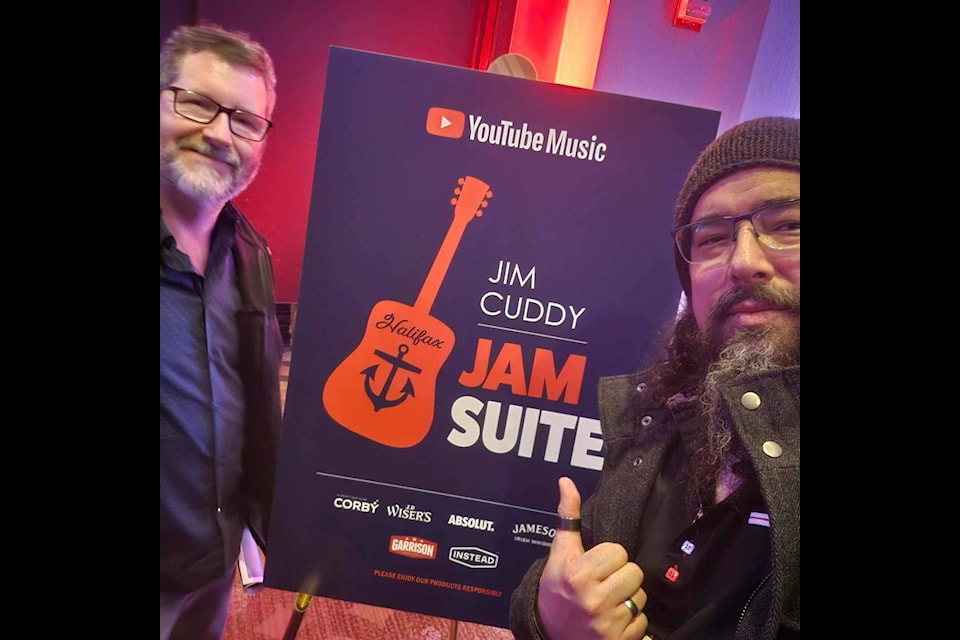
(642, 55)
(298, 34)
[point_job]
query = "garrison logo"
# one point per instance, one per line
(413, 547)
(446, 123)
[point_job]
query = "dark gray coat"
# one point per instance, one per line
(634, 450)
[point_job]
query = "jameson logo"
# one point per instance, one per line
(528, 533)
(536, 529)
(401, 327)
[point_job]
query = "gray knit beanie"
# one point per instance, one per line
(763, 142)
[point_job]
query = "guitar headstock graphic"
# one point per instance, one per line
(471, 197)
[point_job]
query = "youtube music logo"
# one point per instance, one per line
(508, 133)
(447, 123)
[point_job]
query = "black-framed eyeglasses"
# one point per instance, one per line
(199, 108)
(775, 225)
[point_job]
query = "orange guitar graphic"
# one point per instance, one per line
(385, 389)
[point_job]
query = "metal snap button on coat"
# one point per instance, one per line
(637, 461)
(641, 387)
(646, 420)
(772, 449)
(750, 400)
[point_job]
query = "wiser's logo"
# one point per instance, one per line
(474, 557)
(408, 513)
(447, 123)
(413, 547)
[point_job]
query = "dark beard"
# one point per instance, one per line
(746, 351)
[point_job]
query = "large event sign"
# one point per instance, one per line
(480, 250)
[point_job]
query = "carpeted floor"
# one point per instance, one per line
(267, 615)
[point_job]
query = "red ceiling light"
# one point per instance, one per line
(691, 14)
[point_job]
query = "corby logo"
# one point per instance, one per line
(356, 504)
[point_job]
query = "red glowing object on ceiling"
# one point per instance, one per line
(691, 14)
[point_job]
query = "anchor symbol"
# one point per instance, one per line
(380, 401)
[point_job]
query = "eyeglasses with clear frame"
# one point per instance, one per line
(199, 108)
(775, 225)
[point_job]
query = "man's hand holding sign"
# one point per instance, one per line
(588, 594)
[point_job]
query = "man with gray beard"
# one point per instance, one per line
(693, 532)
(220, 343)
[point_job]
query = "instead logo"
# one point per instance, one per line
(446, 123)
(474, 557)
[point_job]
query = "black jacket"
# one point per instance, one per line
(261, 355)
(637, 436)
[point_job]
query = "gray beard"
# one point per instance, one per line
(747, 351)
(202, 183)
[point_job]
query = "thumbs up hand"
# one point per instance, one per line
(583, 594)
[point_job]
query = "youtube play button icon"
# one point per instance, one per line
(447, 123)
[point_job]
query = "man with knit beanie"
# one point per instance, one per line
(693, 532)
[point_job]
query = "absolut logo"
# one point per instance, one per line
(470, 523)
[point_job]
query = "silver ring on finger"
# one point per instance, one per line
(634, 609)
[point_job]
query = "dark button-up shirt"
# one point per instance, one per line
(201, 411)
(700, 563)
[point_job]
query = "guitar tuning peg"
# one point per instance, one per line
(453, 201)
